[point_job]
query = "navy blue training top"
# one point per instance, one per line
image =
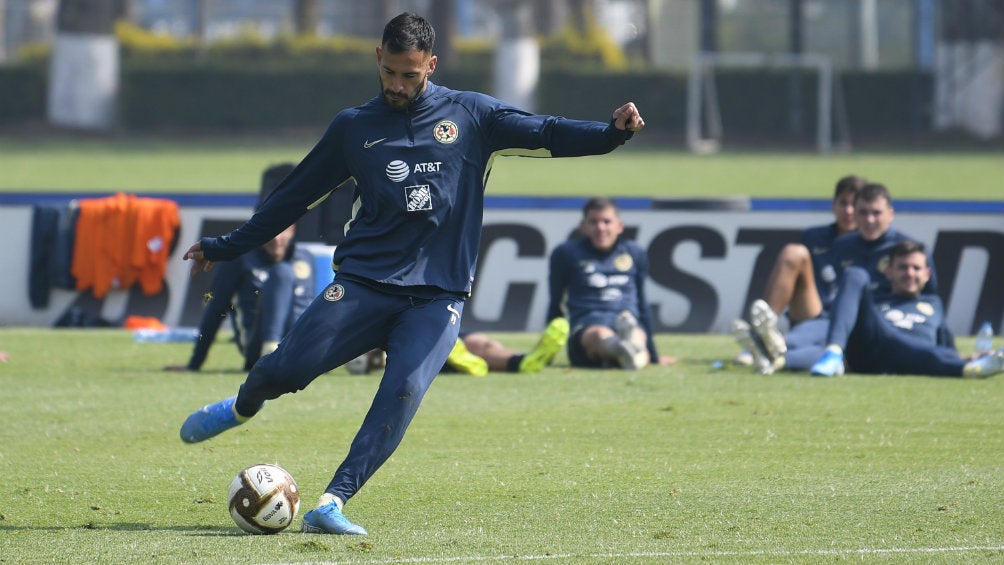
(921, 316)
(819, 241)
(873, 256)
(420, 176)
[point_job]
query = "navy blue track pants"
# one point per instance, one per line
(345, 321)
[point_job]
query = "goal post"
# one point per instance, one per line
(704, 121)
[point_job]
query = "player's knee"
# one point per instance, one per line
(856, 275)
(794, 255)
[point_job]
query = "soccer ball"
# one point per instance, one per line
(263, 499)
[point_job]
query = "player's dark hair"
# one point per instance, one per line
(907, 247)
(850, 184)
(599, 203)
(872, 192)
(408, 31)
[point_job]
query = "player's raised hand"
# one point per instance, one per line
(627, 117)
(194, 253)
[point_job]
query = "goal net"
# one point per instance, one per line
(704, 116)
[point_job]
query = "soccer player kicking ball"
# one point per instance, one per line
(420, 154)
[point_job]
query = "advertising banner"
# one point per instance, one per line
(708, 259)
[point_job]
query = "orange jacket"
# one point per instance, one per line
(122, 240)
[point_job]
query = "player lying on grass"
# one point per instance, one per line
(475, 353)
(899, 332)
(420, 155)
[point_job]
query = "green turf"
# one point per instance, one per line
(235, 165)
(684, 464)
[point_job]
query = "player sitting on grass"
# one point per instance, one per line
(263, 292)
(803, 282)
(899, 332)
(600, 279)
(868, 248)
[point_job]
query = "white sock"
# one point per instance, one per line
(327, 498)
(240, 417)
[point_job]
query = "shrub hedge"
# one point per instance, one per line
(22, 93)
(176, 96)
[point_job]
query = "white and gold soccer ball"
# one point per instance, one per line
(263, 499)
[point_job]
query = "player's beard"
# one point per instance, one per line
(402, 101)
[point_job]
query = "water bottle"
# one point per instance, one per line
(166, 336)
(985, 339)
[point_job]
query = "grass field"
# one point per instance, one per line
(235, 165)
(685, 464)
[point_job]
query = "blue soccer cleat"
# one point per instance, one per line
(830, 364)
(328, 519)
(211, 420)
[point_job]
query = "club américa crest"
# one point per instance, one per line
(334, 292)
(446, 132)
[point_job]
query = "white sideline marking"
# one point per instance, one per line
(694, 553)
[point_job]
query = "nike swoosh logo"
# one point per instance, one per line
(367, 144)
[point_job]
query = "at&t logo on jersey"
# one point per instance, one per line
(397, 170)
(418, 197)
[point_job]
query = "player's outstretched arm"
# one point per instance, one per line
(627, 117)
(200, 263)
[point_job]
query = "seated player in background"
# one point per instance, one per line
(899, 331)
(803, 281)
(600, 280)
(867, 247)
(263, 292)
